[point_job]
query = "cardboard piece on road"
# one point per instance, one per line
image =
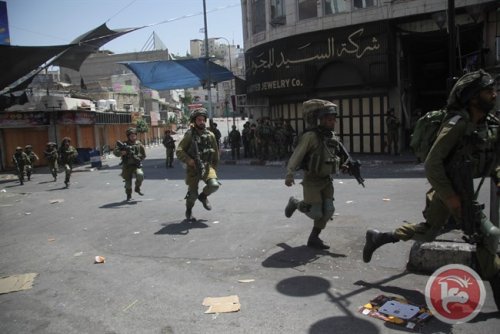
(17, 282)
(398, 311)
(222, 304)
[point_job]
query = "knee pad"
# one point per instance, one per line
(315, 212)
(212, 186)
(328, 209)
(190, 198)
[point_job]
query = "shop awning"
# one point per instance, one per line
(178, 74)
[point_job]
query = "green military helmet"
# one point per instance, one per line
(28, 147)
(131, 131)
(468, 86)
(19, 148)
(316, 108)
(198, 112)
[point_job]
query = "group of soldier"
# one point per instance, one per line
(468, 138)
(265, 140)
(24, 161)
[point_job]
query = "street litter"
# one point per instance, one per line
(386, 199)
(51, 239)
(216, 222)
(349, 202)
(16, 282)
(398, 311)
(222, 304)
(54, 201)
(100, 259)
(246, 280)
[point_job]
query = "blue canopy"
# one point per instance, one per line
(177, 74)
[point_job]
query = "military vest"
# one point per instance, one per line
(204, 144)
(324, 160)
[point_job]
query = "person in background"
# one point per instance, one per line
(132, 153)
(52, 157)
(169, 143)
(67, 156)
(30, 167)
(20, 160)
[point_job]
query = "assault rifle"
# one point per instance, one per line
(200, 166)
(353, 166)
(463, 184)
(127, 148)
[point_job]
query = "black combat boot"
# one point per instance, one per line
(204, 200)
(314, 241)
(292, 205)
(189, 213)
(129, 196)
(495, 288)
(375, 239)
(138, 190)
(66, 182)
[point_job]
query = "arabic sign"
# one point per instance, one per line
(292, 64)
(23, 119)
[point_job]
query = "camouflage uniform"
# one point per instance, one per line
(28, 149)
(132, 156)
(235, 142)
(169, 144)
(320, 150)
(52, 156)
(460, 139)
(20, 160)
(67, 156)
(198, 149)
(392, 123)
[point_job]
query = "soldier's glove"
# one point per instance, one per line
(344, 168)
(289, 181)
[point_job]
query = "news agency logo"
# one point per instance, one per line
(455, 294)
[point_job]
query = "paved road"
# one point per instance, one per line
(159, 268)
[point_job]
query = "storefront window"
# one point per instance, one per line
(278, 16)
(363, 3)
(258, 16)
(335, 6)
(307, 9)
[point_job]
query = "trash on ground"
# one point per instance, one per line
(100, 259)
(386, 199)
(398, 311)
(222, 304)
(246, 280)
(54, 201)
(15, 283)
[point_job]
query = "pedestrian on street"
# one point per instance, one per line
(169, 143)
(319, 152)
(235, 142)
(20, 160)
(467, 143)
(132, 153)
(67, 156)
(198, 149)
(392, 123)
(32, 157)
(52, 157)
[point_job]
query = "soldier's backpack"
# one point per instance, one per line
(426, 131)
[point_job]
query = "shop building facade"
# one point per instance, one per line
(367, 56)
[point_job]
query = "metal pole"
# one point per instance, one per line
(452, 43)
(209, 79)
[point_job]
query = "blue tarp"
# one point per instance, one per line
(177, 74)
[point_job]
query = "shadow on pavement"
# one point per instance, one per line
(291, 257)
(183, 227)
(118, 204)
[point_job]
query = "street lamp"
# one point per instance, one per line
(230, 68)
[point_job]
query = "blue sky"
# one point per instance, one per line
(53, 22)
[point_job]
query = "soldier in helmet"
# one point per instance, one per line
(52, 156)
(169, 143)
(320, 154)
(132, 153)
(198, 149)
(67, 156)
(28, 149)
(235, 143)
(20, 160)
(468, 140)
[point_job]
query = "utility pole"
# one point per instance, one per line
(207, 56)
(452, 44)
